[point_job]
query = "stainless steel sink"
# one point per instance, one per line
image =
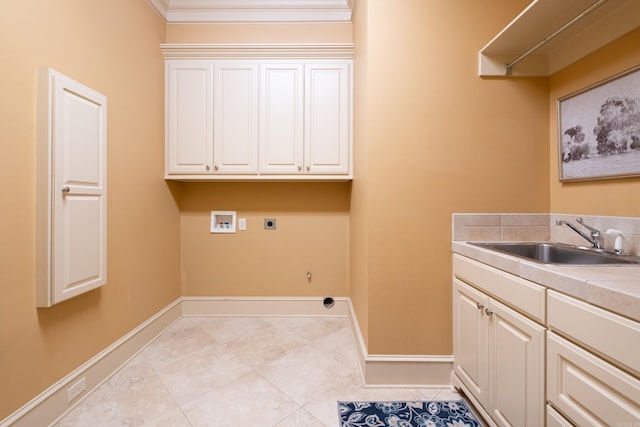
(558, 253)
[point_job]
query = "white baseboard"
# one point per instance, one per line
(52, 403)
(263, 306)
(376, 370)
(399, 371)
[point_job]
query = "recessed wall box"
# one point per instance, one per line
(223, 221)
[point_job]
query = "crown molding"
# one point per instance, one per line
(203, 11)
(257, 51)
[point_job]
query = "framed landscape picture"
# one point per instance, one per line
(599, 130)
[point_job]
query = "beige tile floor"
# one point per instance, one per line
(239, 371)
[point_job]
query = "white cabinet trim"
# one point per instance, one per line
(257, 51)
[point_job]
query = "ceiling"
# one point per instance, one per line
(190, 11)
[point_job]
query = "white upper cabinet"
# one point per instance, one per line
(245, 113)
(189, 117)
(305, 118)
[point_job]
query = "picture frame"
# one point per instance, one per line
(599, 130)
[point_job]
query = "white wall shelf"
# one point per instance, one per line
(607, 21)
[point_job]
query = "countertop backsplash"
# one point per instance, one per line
(542, 227)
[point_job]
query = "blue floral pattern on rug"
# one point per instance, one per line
(452, 413)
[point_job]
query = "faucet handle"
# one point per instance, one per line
(581, 222)
(596, 235)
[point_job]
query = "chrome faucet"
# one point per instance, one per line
(595, 236)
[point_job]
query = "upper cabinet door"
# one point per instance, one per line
(189, 104)
(327, 118)
(235, 147)
(281, 113)
(72, 189)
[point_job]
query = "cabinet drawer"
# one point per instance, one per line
(555, 419)
(587, 389)
(613, 336)
(522, 295)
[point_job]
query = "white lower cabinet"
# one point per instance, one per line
(506, 329)
(498, 357)
(592, 381)
(590, 391)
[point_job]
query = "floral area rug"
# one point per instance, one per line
(452, 413)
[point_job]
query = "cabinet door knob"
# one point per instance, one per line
(65, 189)
(215, 167)
(299, 168)
(208, 167)
(488, 312)
(480, 306)
(308, 168)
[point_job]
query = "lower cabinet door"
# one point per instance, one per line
(589, 390)
(470, 338)
(516, 368)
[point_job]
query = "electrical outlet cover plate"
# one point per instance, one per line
(269, 223)
(75, 390)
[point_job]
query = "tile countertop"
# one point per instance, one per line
(615, 288)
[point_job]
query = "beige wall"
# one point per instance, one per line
(359, 225)
(260, 33)
(312, 231)
(439, 140)
(113, 48)
(618, 197)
